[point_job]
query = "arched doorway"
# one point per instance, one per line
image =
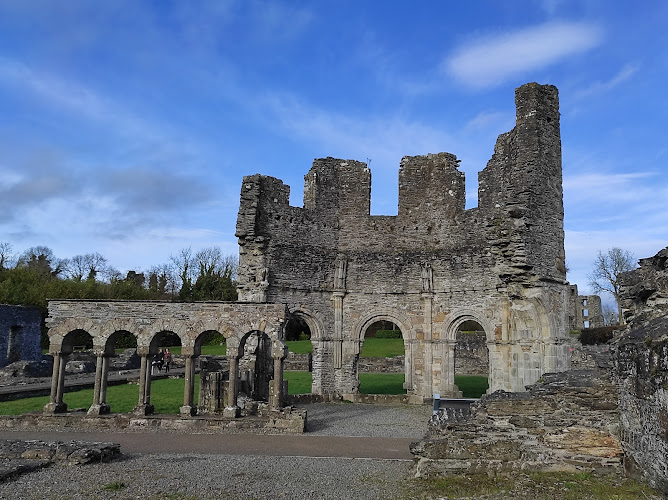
(381, 364)
(77, 357)
(299, 362)
(255, 366)
(166, 393)
(471, 358)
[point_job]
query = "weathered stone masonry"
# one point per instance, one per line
(148, 321)
(428, 269)
(19, 334)
(641, 364)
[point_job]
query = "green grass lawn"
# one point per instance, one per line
(382, 348)
(298, 382)
(472, 386)
(166, 396)
(300, 346)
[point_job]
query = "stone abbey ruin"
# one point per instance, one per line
(428, 270)
(431, 270)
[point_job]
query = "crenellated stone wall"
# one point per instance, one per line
(430, 268)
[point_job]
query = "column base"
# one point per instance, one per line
(143, 410)
(101, 409)
(51, 408)
(188, 411)
(232, 412)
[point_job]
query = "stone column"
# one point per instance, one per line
(276, 391)
(99, 392)
(427, 298)
(232, 410)
(408, 364)
(279, 351)
(337, 297)
(144, 406)
(103, 385)
(188, 409)
(56, 404)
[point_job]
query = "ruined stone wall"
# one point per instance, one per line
(641, 364)
(567, 421)
(585, 311)
(20, 332)
(471, 354)
(146, 319)
(429, 268)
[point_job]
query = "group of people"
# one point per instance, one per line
(162, 359)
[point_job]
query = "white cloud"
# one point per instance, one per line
(604, 86)
(491, 60)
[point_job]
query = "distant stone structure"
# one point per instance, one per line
(429, 269)
(20, 333)
(585, 311)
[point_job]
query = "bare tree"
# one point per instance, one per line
(85, 266)
(41, 259)
(6, 255)
(607, 269)
(610, 315)
(183, 263)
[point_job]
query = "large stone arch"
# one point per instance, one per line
(449, 341)
(408, 335)
(313, 321)
(459, 316)
(404, 324)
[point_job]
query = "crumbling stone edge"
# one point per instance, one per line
(19, 457)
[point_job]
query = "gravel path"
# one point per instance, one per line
(194, 476)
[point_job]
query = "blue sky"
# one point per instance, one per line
(127, 126)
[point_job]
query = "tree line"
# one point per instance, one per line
(31, 277)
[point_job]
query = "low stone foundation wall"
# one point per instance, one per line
(382, 365)
(567, 422)
(287, 421)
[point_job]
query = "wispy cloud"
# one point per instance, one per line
(493, 59)
(600, 87)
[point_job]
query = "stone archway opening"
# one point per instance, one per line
(299, 362)
(166, 393)
(77, 348)
(255, 366)
(471, 359)
(381, 364)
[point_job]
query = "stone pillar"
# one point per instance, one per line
(337, 297)
(276, 390)
(103, 385)
(188, 409)
(448, 387)
(99, 392)
(427, 298)
(56, 404)
(279, 352)
(144, 406)
(232, 410)
(408, 364)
